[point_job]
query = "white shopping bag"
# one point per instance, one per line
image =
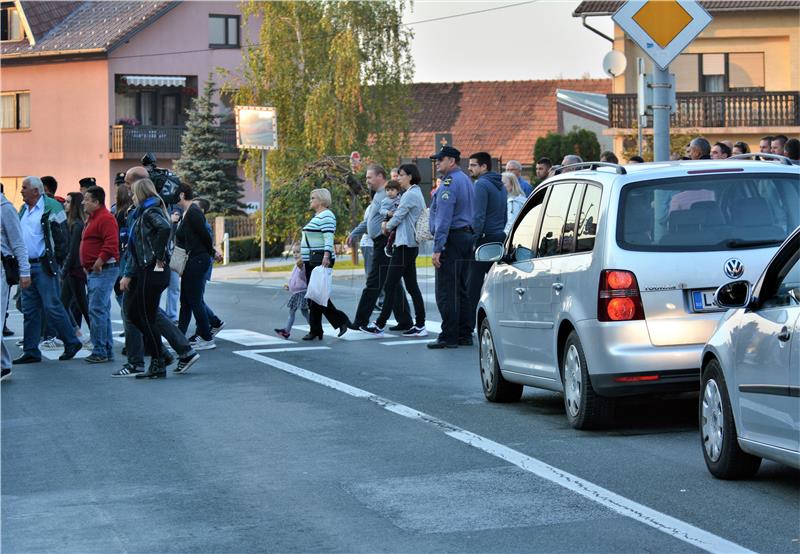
(320, 285)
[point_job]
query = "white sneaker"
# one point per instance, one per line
(416, 332)
(217, 329)
(201, 344)
(51, 344)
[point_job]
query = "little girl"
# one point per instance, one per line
(297, 286)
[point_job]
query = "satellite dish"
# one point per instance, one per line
(614, 63)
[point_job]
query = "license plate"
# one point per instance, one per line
(703, 301)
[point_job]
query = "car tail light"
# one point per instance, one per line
(618, 297)
(636, 378)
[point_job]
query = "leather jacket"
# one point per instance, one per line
(151, 233)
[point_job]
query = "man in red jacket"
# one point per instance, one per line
(100, 257)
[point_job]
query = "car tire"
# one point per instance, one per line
(495, 387)
(584, 407)
(718, 436)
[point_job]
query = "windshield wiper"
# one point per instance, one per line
(739, 243)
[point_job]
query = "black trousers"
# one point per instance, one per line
(141, 303)
(403, 266)
(452, 297)
(477, 275)
(372, 290)
(73, 296)
(335, 317)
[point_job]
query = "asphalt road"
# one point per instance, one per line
(357, 445)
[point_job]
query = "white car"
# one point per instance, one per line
(604, 287)
(750, 402)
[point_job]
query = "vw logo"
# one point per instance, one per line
(734, 268)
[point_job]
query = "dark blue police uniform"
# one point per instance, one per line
(451, 226)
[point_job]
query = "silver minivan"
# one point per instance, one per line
(605, 284)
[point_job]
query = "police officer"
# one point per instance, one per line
(451, 226)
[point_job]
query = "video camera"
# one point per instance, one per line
(166, 182)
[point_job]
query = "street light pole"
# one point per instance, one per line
(264, 185)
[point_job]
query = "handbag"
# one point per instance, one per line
(177, 262)
(314, 256)
(11, 269)
(319, 285)
(422, 230)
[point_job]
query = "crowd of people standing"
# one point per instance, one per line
(71, 255)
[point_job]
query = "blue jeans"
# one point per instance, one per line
(193, 285)
(100, 287)
(173, 296)
(44, 295)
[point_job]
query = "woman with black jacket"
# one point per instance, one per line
(73, 284)
(146, 270)
(193, 236)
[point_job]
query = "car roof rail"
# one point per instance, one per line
(759, 156)
(591, 165)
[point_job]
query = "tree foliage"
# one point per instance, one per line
(555, 146)
(677, 145)
(201, 164)
(337, 74)
(288, 208)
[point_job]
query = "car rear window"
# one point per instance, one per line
(709, 212)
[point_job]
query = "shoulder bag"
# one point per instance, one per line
(177, 261)
(422, 230)
(11, 269)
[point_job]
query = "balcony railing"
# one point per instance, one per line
(133, 140)
(716, 109)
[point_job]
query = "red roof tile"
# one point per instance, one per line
(608, 7)
(503, 118)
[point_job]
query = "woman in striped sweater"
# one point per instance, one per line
(316, 248)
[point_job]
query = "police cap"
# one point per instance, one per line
(447, 151)
(87, 182)
(119, 179)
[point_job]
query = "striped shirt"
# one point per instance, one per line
(318, 234)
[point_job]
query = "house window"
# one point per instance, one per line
(737, 71)
(713, 72)
(746, 71)
(10, 22)
(223, 31)
(15, 110)
(686, 68)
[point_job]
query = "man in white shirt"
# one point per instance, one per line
(42, 221)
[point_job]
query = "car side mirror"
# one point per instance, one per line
(490, 252)
(736, 294)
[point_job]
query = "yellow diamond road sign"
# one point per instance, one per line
(662, 28)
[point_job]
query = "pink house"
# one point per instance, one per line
(89, 87)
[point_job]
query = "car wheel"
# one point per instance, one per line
(724, 458)
(585, 409)
(495, 387)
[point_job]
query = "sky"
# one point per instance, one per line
(534, 40)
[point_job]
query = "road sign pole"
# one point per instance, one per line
(661, 110)
(263, 206)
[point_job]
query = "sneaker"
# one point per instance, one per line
(95, 359)
(5, 373)
(128, 370)
(201, 344)
(194, 338)
(416, 332)
(217, 328)
(186, 362)
(373, 329)
(7, 333)
(51, 344)
(282, 332)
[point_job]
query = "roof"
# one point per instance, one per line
(590, 103)
(608, 7)
(71, 28)
(503, 118)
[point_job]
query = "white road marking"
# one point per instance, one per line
(401, 342)
(54, 354)
(673, 527)
(248, 338)
(290, 349)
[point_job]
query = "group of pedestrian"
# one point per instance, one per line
(701, 148)
(70, 255)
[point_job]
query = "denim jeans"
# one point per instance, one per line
(44, 295)
(193, 285)
(173, 296)
(100, 286)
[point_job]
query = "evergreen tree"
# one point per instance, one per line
(201, 164)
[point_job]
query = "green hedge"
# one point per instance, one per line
(245, 249)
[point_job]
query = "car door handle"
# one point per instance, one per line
(519, 290)
(558, 286)
(784, 335)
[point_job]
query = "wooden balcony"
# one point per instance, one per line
(133, 142)
(724, 110)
